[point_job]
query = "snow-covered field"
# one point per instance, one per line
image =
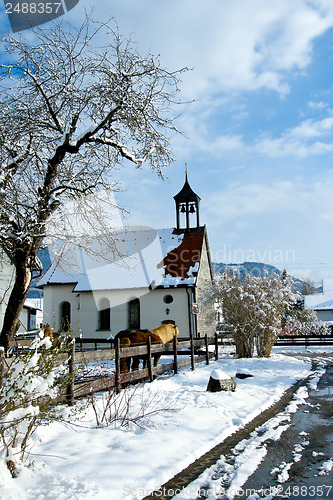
(79, 460)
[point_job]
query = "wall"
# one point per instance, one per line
(325, 315)
(24, 320)
(206, 324)
(84, 309)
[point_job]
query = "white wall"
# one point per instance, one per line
(153, 309)
(325, 315)
(84, 309)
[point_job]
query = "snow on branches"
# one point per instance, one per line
(255, 307)
(33, 380)
(72, 112)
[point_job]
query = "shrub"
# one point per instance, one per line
(254, 308)
(33, 382)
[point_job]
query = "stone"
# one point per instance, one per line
(244, 374)
(220, 381)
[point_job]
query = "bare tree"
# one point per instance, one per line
(308, 287)
(71, 112)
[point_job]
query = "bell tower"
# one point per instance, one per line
(187, 207)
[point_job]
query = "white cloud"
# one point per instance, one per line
(238, 45)
(300, 141)
(310, 128)
(311, 137)
(288, 200)
(318, 105)
(251, 199)
(282, 223)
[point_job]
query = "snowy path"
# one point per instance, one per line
(302, 463)
(290, 456)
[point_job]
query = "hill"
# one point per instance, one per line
(256, 269)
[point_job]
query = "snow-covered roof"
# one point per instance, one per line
(144, 258)
(319, 302)
(31, 304)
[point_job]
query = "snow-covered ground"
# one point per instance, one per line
(79, 460)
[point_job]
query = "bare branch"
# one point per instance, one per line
(71, 113)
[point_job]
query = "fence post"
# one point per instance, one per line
(216, 347)
(175, 355)
(71, 361)
(149, 360)
(117, 360)
(207, 350)
(192, 352)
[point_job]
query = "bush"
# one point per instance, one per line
(254, 307)
(33, 382)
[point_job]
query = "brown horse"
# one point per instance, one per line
(130, 338)
(141, 338)
(54, 336)
(166, 332)
(161, 335)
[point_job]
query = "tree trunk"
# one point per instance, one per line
(244, 342)
(17, 297)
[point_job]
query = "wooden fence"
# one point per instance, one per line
(195, 350)
(304, 340)
(287, 340)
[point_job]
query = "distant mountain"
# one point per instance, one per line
(256, 269)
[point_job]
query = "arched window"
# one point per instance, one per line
(104, 315)
(134, 314)
(65, 316)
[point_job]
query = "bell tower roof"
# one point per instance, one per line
(186, 193)
(187, 204)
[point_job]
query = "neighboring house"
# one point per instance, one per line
(7, 275)
(28, 318)
(322, 303)
(161, 276)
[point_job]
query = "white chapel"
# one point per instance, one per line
(161, 277)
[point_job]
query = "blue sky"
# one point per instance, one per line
(259, 144)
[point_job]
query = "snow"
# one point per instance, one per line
(326, 467)
(142, 251)
(219, 375)
(248, 454)
(79, 460)
(31, 304)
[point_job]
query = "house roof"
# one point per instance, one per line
(145, 257)
(31, 304)
(320, 302)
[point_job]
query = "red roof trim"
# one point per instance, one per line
(179, 261)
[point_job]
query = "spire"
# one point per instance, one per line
(187, 202)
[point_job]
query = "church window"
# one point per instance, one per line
(104, 315)
(65, 315)
(134, 313)
(168, 299)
